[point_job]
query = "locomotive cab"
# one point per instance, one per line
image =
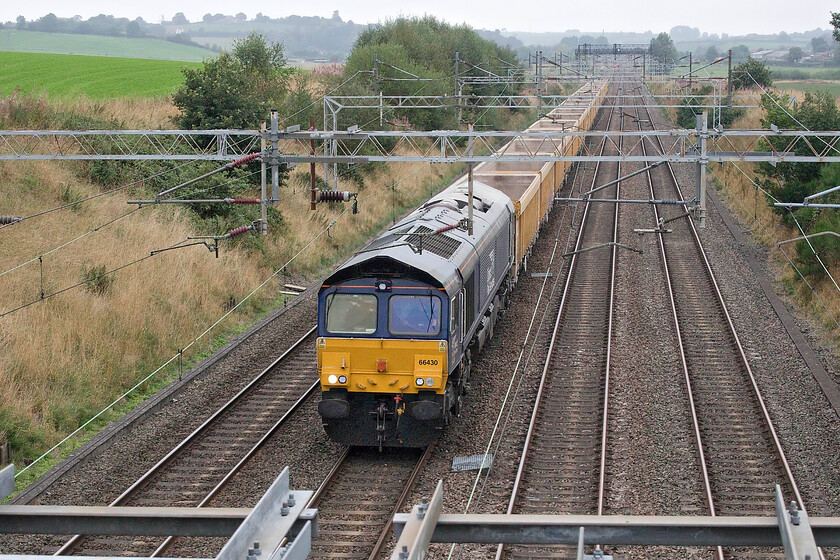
(383, 351)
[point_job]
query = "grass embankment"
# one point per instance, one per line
(804, 73)
(794, 87)
(737, 184)
(63, 359)
(14, 40)
(58, 76)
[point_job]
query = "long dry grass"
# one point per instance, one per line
(63, 359)
(737, 183)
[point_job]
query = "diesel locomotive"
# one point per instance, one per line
(398, 323)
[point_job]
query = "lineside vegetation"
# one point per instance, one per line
(751, 190)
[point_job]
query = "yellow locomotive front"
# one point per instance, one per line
(383, 361)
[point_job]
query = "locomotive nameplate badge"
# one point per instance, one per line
(430, 362)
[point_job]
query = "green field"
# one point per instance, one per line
(804, 73)
(833, 88)
(12, 40)
(63, 75)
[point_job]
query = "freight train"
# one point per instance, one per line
(400, 322)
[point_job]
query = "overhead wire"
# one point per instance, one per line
(97, 195)
(790, 211)
(45, 297)
(133, 183)
(320, 99)
(180, 352)
(108, 223)
(63, 245)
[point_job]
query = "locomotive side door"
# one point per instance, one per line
(463, 312)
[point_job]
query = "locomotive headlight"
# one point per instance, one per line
(342, 379)
(430, 381)
(419, 381)
(332, 379)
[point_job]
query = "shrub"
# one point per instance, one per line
(98, 281)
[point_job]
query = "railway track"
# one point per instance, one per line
(194, 471)
(358, 500)
(561, 468)
(739, 452)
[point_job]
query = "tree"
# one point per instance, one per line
(819, 44)
(712, 53)
(747, 74)
(835, 23)
(684, 33)
(816, 112)
(257, 55)
(180, 19)
(426, 48)
(241, 17)
(793, 182)
(133, 29)
(233, 90)
(48, 23)
(662, 48)
(21, 22)
(740, 53)
(795, 54)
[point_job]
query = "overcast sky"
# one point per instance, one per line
(736, 17)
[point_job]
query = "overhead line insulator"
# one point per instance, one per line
(9, 219)
(238, 231)
(447, 228)
(335, 196)
(244, 159)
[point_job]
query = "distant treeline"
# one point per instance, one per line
(102, 24)
(302, 36)
(314, 37)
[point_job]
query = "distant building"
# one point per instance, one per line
(770, 55)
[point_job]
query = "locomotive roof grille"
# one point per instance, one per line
(384, 241)
(441, 245)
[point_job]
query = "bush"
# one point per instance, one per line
(98, 281)
(826, 246)
(424, 47)
(233, 90)
(687, 113)
(747, 74)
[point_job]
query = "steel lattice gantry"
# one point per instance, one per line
(292, 146)
(614, 49)
(218, 145)
(446, 146)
